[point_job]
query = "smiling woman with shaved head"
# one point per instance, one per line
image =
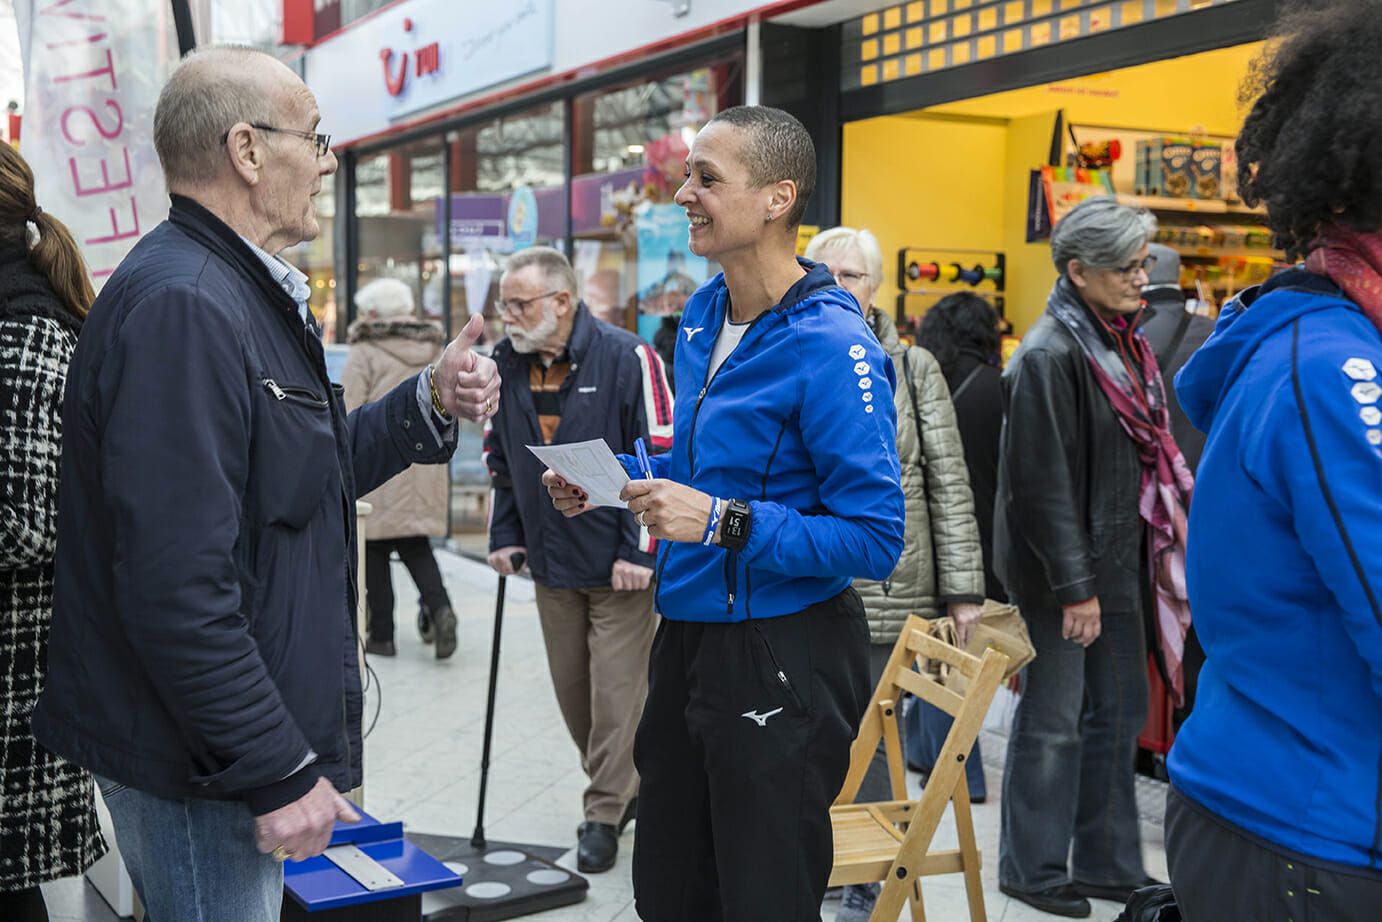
(781, 487)
(203, 661)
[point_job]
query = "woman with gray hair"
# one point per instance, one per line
(1089, 522)
(941, 570)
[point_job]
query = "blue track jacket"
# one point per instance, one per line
(1285, 572)
(798, 422)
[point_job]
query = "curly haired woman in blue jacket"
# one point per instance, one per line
(781, 486)
(1275, 809)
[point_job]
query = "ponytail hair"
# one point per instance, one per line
(52, 250)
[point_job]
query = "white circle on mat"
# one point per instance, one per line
(548, 877)
(487, 890)
(456, 867)
(505, 858)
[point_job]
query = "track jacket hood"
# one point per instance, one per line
(799, 422)
(1284, 568)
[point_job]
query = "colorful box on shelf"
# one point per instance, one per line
(366, 862)
(1174, 167)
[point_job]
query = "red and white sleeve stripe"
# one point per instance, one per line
(657, 397)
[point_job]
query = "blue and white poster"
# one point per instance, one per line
(668, 272)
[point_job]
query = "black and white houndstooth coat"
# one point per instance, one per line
(48, 825)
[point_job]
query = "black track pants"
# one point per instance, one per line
(1223, 874)
(738, 767)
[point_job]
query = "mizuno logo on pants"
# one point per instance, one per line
(760, 719)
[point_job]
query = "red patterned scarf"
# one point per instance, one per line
(1353, 261)
(1166, 479)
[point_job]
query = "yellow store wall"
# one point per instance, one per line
(923, 181)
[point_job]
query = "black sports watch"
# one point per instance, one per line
(735, 525)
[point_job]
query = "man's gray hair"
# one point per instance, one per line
(212, 89)
(1101, 233)
(553, 264)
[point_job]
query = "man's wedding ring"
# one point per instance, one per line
(282, 853)
(489, 407)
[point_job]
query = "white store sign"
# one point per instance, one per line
(417, 55)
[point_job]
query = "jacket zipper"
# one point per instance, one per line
(779, 671)
(299, 395)
(731, 578)
(762, 495)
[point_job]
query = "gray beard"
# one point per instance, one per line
(530, 341)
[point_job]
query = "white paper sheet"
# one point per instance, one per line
(589, 465)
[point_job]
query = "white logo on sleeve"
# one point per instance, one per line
(1371, 416)
(691, 331)
(761, 719)
(865, 383)
(868, 409)
(1366, 392)
(868, 397)
(856, 351)
(861, 368)
(1360, 369)
(1375, 437)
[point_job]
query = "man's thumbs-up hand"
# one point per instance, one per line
(466, 381)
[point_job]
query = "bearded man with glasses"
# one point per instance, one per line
(569, 377)
(204, 661)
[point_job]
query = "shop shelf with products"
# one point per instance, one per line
(927, 274)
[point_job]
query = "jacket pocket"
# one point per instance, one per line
(293, 452)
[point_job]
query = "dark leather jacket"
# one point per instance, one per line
(1066, 525)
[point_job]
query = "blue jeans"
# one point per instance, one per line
(1069, 779)
(193, 860)
(927, 727)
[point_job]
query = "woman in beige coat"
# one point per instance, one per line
(941, 571)
(388, 345)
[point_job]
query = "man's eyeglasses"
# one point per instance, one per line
(321, 142)
(516, 306)
(845, 277)
(1128, 271)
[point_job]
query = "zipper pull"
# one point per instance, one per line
(783, 677)
(701, 395)
(730, 607)
(272, 387)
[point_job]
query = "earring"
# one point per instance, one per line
(769, 218)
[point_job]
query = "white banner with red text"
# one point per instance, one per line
(92, 73)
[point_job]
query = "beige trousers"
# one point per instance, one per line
(597, 651)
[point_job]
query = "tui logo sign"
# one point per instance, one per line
(424, 61)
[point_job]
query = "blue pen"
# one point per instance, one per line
(644, 464)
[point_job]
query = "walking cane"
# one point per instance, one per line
(502, 880)
(477, 838)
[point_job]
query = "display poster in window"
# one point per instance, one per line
(668, 272)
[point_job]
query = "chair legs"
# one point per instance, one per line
(969, 851)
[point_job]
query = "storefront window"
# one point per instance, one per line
(507, 193)
(398, 195)
(629, 147)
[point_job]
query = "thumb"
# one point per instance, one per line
(472, 331)
(345, 810)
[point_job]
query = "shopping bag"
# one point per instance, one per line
(1001, 627)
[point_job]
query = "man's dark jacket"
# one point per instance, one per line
(603, 397)
(203, 643)
(1164, 313)
(1066, 526)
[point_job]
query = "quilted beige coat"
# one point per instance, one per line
(942, 534)
(383, 354)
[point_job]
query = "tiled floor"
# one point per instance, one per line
(422, 760)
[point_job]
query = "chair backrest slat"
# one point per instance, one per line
(929, 690)
(926, 646)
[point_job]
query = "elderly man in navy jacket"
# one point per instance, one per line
(569, 377)
(203, 661)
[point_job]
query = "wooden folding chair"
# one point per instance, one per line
(890, 841)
